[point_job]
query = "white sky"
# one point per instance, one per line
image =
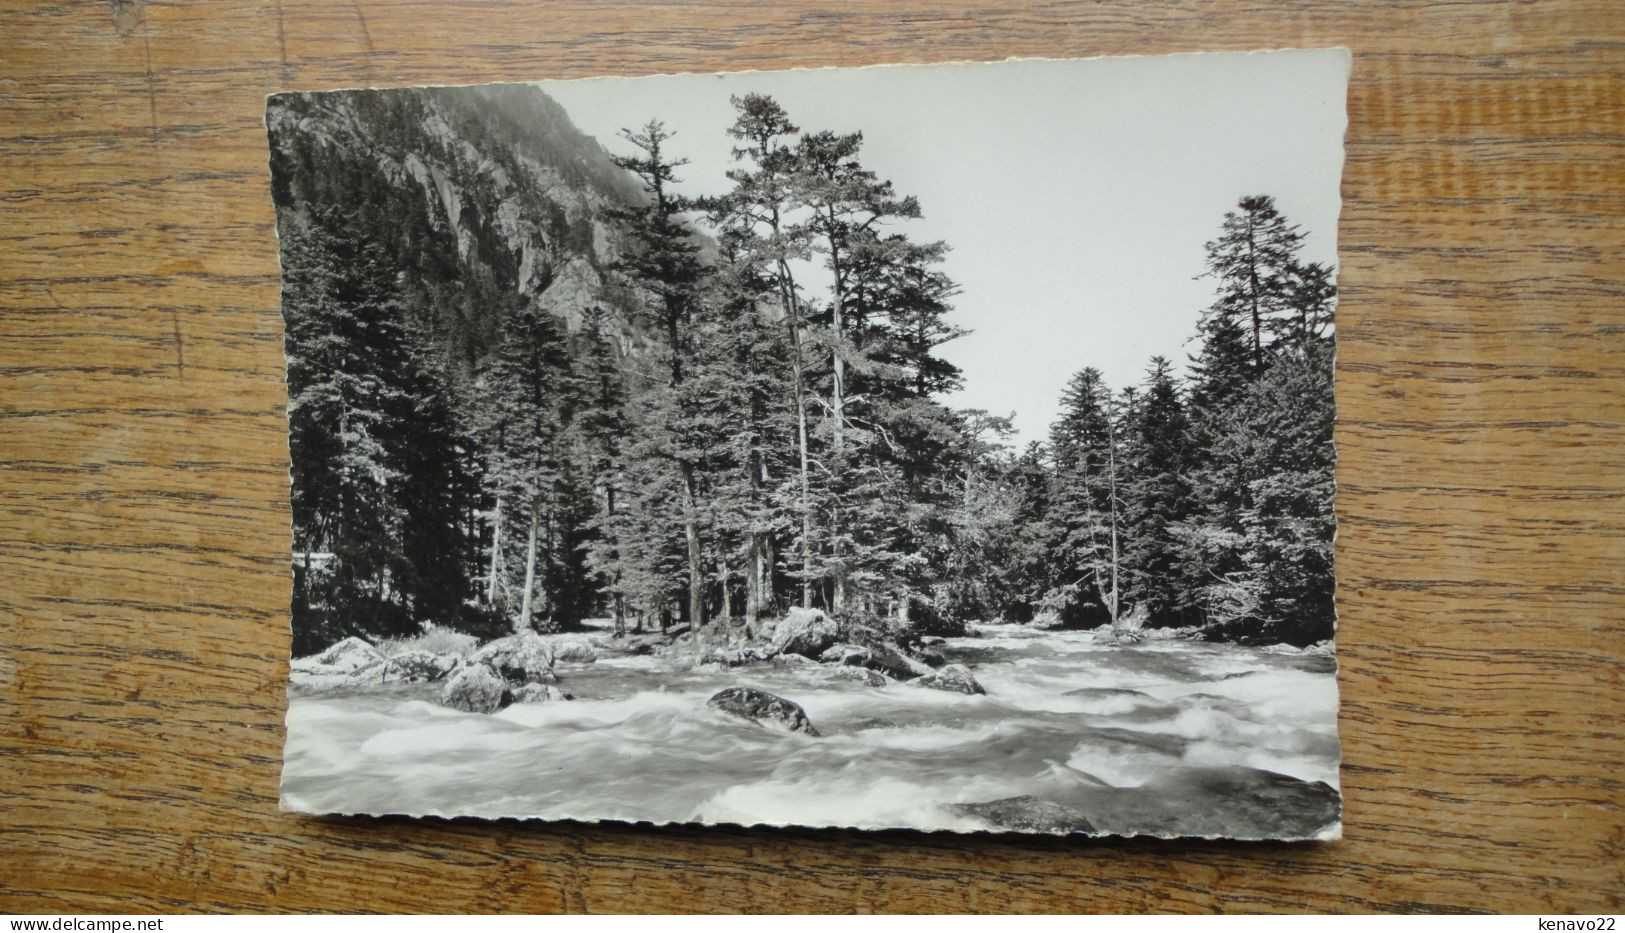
(1076, 195)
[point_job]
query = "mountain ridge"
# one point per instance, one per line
(505, 200)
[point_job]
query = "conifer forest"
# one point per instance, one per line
(543, 407)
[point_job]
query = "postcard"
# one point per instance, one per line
(935, 447)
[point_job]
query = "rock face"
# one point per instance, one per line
(417, 666)
(1027, 814)
(805, 632)
(525, 658)
(762, 708)
(476, 689)
(955, 677)
(497, 176)
(539, 693)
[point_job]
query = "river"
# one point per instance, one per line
(1160, 738)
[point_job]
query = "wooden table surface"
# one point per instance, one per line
(144, 529)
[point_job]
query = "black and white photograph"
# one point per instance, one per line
(945, 448)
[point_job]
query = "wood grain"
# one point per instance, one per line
(143, 466)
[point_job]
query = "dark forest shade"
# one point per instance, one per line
(528, 384)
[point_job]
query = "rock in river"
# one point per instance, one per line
(884, 657)
(416, 666)
(805, 632)
(861, 675)
(1027, 814)
(731, 657)
(351, 654)
(349, 663)
(525, 658)
(573, 650)
(539, 693)
(476, 689)
(763, 708)
(955, 677)
(345, 657)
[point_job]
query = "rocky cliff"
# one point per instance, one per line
(489, 197)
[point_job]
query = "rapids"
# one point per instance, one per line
(1161, 738)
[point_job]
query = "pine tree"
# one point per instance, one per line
(745, 357)
(1156, 498)
(757, 212)
(344, 345)
(600, 431)
(1254, 260)
(1289, 524)
(435, 487)
(520, 428)
(982, 562)
(1081, 535)
(846, 203)
(1311, 300)
(1256, 549)
(666, 263)
(899, 304)
(1031, 567)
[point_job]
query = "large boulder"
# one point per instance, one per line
(574, 651)
(792, 661)
(860, 675)
(732, 657)
(476, 689)
(889, 659)
(954, 677)
(539, 693)
(1027, 814)
(350, 655)
(845, 653)
(885, 657)
(416, 666)
(525, 658)
(805, 632)
(349, 663)
(762, 708)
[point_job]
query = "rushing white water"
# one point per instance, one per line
(1165, 738)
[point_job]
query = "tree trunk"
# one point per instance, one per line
(619, 597)
(1111, 460)
(523, 622)
(837, 600)
(767, 559)
(1252, 274)
(799, 379)
(496, 555)
(727, 598)
(544, 600)
(753, 576)
(838, 409)
(691, 530)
